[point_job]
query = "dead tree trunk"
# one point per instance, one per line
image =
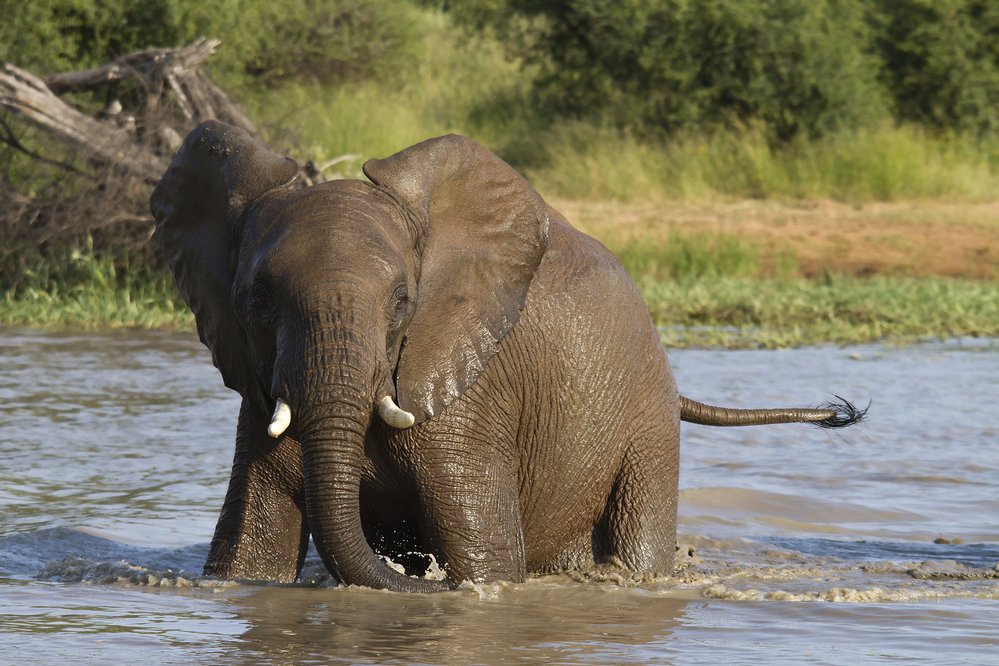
(105, 141)
(86, 184)
(176, 95)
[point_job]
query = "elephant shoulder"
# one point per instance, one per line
(583, 305)
(578, 261)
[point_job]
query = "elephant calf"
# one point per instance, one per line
(431, 360)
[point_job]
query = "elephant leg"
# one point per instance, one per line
(469, 511)
(640, 523)
(262, 533)
(577, 554)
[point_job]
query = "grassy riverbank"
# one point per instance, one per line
(98, 296)
(702, 291)
(692, 312)
(744, 312)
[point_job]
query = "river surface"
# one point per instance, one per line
(875, 543)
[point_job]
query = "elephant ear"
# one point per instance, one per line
(199, 204)
(482, 231)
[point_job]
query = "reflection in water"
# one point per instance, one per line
(537, 622)
(117, 449)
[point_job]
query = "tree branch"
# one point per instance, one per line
(136, 142)
(140, 64)
(28, 96)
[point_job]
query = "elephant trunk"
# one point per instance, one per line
(332, 421)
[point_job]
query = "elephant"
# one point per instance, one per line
(432, 360)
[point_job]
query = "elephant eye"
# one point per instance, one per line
(399, 304)
(260, 300)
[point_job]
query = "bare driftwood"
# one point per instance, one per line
(142, 64)
(93, 170)
(109, 134)
(106, 141)
(137, 140)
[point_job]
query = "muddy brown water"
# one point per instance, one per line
(877, 543)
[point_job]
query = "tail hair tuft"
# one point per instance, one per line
(846, 413)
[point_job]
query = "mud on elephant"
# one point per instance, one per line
(432, 360)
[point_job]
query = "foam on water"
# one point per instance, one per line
(790, 570)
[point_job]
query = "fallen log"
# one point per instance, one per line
(139, 140)
(105, 141)
(141, 64)
(91, 173)
(85, 178)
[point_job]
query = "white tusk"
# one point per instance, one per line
(393, 415)
(281, 419)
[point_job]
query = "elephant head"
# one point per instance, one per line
(332, 303)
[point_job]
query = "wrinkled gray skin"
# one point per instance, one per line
(547, 417)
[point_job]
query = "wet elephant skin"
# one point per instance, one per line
(534, 417)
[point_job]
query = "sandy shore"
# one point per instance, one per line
(906, 238)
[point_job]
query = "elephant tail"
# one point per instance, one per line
(838, 413)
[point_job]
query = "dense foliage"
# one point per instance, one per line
(796, 67)
(324, 40)
(941, 61)
(799, 67)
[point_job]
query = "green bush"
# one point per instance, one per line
(942, 61)
(53, 35)
(315, 40)
(801, 67)
(323, 40)
(798, 67)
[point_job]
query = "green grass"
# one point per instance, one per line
(90, 293)
(702, 290)
(747, 312)
(458, 84)
(462, 83)
(700, 255)
(879, 164)
(710, 303)
(583, 161)
(93, 308)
